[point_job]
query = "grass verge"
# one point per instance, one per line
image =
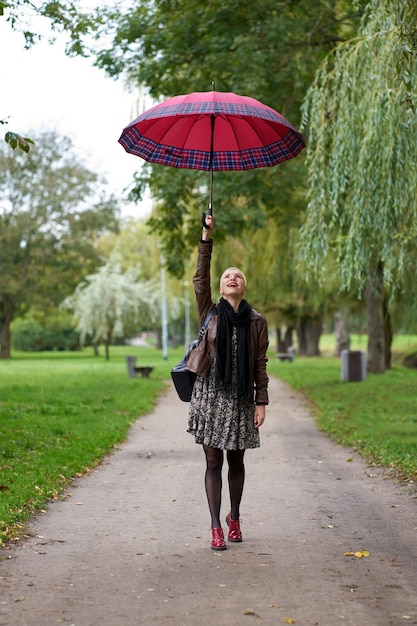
(60, 414)
(376, 416)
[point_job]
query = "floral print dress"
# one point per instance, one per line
(219, 419)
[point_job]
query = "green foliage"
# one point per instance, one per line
(47, 333)
(375, 416)
(264, 49)
(104, 302)
(136, 247)
(59, 416)
(52, 210)
(62, 17)
(362, 123)
(182, 46)
(17, 141)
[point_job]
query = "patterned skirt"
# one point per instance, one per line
(219, 419)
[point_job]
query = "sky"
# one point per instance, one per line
(41, 88)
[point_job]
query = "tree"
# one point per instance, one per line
(362, 209)
(52, 209)
(62, 17)
(265, 49)
(104, 302)
(172, 47)
(136, 247)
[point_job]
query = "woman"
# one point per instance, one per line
(231, 388)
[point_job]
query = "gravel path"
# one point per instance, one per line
(130, 544)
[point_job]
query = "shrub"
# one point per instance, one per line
(51, 333)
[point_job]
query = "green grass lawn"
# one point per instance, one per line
(60, 413)
(377, 416)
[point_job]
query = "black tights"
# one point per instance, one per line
(213, 481)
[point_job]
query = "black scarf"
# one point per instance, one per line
(226, 320)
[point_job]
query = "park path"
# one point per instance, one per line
(130, 544)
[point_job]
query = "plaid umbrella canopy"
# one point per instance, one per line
(212, 131)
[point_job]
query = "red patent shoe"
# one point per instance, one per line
(217, 539)
(235, 534)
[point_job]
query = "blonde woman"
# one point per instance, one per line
(231, 389)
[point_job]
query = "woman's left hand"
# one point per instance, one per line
(260, 414)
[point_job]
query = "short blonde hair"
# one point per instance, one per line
(236, 269)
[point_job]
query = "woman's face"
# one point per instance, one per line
(233, 282)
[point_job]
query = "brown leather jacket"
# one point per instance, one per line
(202, 356)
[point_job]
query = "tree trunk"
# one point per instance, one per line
(309, 331)
(375, 319)
(341, 331)
(4, 339)
(284, 342)
(288, 336)
(387, 332)
(6, 317)
(280, 343)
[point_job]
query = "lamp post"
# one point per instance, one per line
(164, 316)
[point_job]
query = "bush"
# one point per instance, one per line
(51, 333)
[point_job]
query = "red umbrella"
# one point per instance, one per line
(212, 131)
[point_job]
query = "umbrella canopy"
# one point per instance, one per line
(212, 131)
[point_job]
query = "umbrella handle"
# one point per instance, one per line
(203, 216)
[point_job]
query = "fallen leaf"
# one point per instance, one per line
(358, 554)
(289, 620)
(250, 612)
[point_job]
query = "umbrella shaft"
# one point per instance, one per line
(210, 207)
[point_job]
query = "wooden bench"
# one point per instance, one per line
(133, 370)
(289, 355)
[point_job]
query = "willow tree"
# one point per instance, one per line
(105, 302)
(362, 202)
